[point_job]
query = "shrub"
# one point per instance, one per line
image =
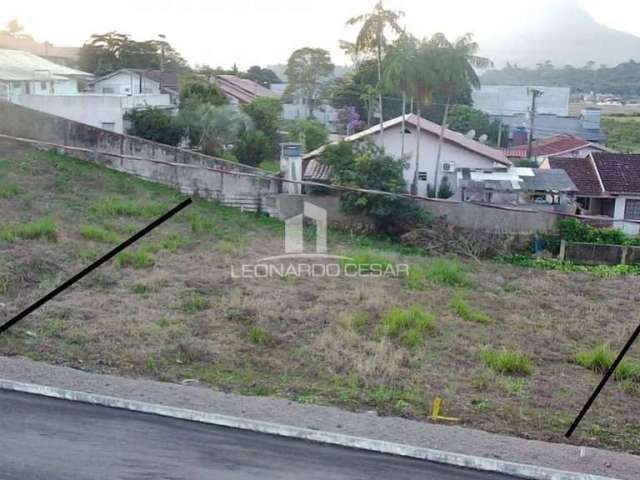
(445, 191)
(467, 312)
(573, 230)
(407, 325)
(98, 234)
(118, 207)
(311, 133)
(253, 147)
(506, 361)
(601, 358)
(266, 113)
(41, 229)
(257, 335)
(368, 261)
(155, 125)
(138, 258)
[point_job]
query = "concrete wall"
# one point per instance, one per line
(102, 111)
(593, 253)
(628, 227)
(182, 169)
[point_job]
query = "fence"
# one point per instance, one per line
(596, 253)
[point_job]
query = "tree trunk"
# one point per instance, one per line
(404, 113)
(414, 187)
(380, 90)
(445, 117)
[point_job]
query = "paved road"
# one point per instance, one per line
(50, 439)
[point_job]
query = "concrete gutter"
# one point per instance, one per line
(432, 455)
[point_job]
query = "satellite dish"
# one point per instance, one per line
(483, 138)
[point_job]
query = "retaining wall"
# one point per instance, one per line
(595, 253)
(183, 169)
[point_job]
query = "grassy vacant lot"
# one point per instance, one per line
(623, 133)
(509, 349)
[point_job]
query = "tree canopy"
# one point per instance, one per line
(308, 70)
(263, 76)
(15, 30)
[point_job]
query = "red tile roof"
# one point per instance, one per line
(582, 172)
(620, 173)
(557, 145)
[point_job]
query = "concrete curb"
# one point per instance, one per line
(437, 456)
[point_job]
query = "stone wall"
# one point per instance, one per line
(188, 171)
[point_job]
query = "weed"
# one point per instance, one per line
(173, 242)
(99, 234)
(506, 361)
(368, 261)
(9, 190)
(201, 224)
(41, 229)
(138, 258)
(193, 302)
(53, 328)
(439, 270)
(600, 359)
(257, 335)
(407, 325)
(466, 311)
(118, 207)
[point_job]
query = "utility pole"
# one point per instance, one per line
(535, 93)
(162, 45)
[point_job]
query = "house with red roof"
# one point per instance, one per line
(564, 145)
(459, 152)
(608, 185)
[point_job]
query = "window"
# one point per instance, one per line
(109, 126)
(108, 90)
(43, 85)
(632, 210)
(422, 176)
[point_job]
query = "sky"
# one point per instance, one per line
(261, 32)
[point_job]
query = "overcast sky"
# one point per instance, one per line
(250, 32)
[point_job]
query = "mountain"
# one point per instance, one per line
(565, 34)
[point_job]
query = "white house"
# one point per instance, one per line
(23, 73)
(458, 152)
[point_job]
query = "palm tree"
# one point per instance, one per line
(371, 38)
(421, 78)
(456, 64)
(397, 63)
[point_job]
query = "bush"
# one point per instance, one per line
(407, 325)
(98, 234)
(155, 125)
(467, 312)
(444, 191)
(573, 230)
(506, 361)
(253, 147)
(310, 133)
(601, 358)
(365, 165)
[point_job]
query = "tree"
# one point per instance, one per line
(455, 71)
(197, 91)
(266, 113)
(253, 147)
(15, 30)
(366, 166)
(155, 125)
(307, 71)
(371, 38)
(263, 76)
(397, 64)
(463, 119)
(444, 190)
(111, 51)
(311, 133)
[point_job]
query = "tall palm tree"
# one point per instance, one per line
(397, 63)
(456, 64)
(422, 81)
(371, 38)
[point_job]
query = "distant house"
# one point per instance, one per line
(133, 81)
(67, 56)
(296, 107)
(608, 185)
(556, 146)
(458, 152)
(587, 126)
(23, 73)
(241, 90)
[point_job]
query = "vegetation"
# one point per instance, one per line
(601, 358)
(263, 76)
(310, 133)
(154, 124)
(573, 230)
(466, 311)
(623, 79)
(308, 71)
(506, 361)
(196, 91)
(135, 258)
(602, 271)
(463, 119)
(44, 229)
(366, 166)
(99, 234)
(261, 144)
(622, 133)
(407, 325)
(444, 271)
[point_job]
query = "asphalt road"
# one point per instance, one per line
(50, 439)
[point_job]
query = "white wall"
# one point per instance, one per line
(462, 157)
(618, 216)
(96, 110)
(126, 83)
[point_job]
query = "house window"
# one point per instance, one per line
(422, 176)
(108, 90)
(632, 210)
(43, 85)
(109, 126)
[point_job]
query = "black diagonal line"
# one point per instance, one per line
(95, 265)
(603, 382)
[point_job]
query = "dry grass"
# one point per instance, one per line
(308, 339)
